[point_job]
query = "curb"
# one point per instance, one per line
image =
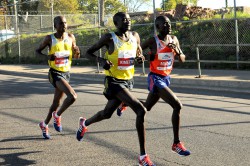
(204, 84)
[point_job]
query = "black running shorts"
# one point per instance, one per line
(113, 86)
(55, 75)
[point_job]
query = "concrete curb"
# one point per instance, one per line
(240, 86)
(217, 80)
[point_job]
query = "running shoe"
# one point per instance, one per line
(146, 161)
(122, 107)
(82, 129)
(180, 149)
(45, 131)
(57, 122)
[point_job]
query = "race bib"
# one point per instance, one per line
(62, 58)
(126, 59)
(165, 61)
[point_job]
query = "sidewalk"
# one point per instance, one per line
(219, 80)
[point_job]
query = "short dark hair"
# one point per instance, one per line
(119, 14)
(57, 18)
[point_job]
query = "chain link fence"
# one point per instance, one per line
(223, 43)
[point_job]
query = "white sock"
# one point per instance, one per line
(83, 123)
(141, 157)
(56, 115)
(44, 124)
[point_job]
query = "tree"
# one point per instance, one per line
(168, 4)
(187, 2)
(134, 5)
(110, 6)
(29, 6)
(171, 4)
(62, 6)
(8, 5)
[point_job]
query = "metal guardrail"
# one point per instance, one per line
(198, 60)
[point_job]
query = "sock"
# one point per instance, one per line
(44, 124)
(142, 156)
(56, 115)
(83, 123)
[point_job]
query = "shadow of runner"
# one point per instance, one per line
(14, 159)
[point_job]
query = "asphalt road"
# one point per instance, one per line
(215, 127)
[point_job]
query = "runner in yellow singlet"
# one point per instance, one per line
(123, 49)
(62, 48)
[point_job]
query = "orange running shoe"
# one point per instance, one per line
(122, 107)
(45, 131)
(146, 161)
(82, 129)
(180, 149)
(57, 122)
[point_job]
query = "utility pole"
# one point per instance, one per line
(52, 14)
(163, 5)
(236, 34)
(17, 31)
(16, 17)
(154, 15)
(100, 34)
(102, 12)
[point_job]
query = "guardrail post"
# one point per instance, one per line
(198, 61)
(100, 51)
(41, 22)
(143, 68)
(100, 34)
(17, 31)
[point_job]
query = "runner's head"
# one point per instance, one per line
(122, 21)
(163, 24)
(60, 23)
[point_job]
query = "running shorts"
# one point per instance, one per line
(55, 75)
(113, 85)
(157, 81)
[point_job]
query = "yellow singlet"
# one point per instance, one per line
(122, 58)
(63, 52)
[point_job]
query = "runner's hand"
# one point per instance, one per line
(172, 45)
(140, 59)
(76, 52)
(175, 48)
(52, 57)
(107, 65)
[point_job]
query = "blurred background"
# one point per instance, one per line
(213, 34)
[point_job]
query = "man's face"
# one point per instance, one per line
(164, 26)
(61, 24)
(123, 22)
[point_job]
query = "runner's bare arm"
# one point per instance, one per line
(139, 56)
(105, 40)
(178, 50)
(45, 43)
(75, 48)
(149, 44)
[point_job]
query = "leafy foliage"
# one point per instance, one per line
(59, 6)
(134, 5)
(171, 4)
(91, 6)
